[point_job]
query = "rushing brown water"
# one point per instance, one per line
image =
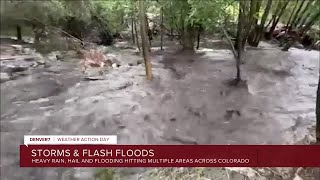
(188, 102)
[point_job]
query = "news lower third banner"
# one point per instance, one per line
(103, 151)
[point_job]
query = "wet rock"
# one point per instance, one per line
(4, 77)
(94, 74)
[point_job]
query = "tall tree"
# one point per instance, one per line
(310, 11)
(132, 21)
(143, 31)
(282, 5)
(241, 38)
(136, 34)
(132, 31)
(19, 34)
(302, 14)
(259, 30)
(296, 15)
(199, 31)
(290, 18)
(238, 48)
(187, 29)
(161, 28)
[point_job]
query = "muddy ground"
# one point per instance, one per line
(188, 102)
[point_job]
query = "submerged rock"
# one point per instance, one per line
(94, 74)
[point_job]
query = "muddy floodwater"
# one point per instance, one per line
(188, 102)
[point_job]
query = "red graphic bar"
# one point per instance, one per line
(170, 156)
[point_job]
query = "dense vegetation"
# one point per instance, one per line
(242, 22)
(184, 19)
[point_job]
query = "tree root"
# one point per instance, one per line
(234, 82)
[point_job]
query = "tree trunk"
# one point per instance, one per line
(185, 29)
(36, 37)
(275, 22)
(261, 28)
(295, 17)
(251, 25)
(161, 28)
(290, 18)
(143, 32)
(198, 36)
(136, 33)
(240, 32)
(19, 34)
(275, 13)
(198, 40)
(133, 16)
(188, 38)
(252, 36)
(149, 32)
(243, 21)
(318, 113)
(305, 19)
(132, 31)
(253, 10)
(306, 8)
(171, 34)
